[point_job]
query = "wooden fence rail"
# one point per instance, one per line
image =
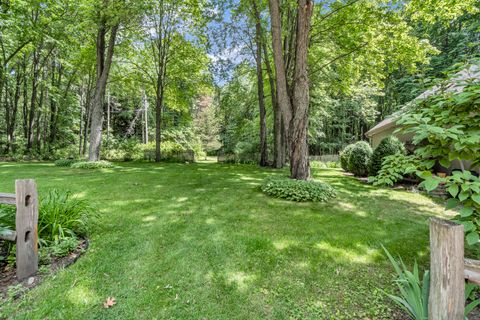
(26, 220)
(448, 271)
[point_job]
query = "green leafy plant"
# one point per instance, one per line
(318, 164)
(92, 165)
(359, 158)
(387, 147)
(298, 190)
(63, 247)
(470, 289)
(413, 291)
(65, 162)
(344, 156)
(332, 164)
(394, 169)
(464, 189)
(62, 215)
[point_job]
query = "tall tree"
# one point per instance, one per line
(104, 49)
(260, 86)
(293, 107)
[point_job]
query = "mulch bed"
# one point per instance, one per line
(8, 277)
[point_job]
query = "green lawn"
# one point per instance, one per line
(200, 241)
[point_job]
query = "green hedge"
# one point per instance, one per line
(387, 147)
(344, 156)
(65, 162)
(298, 190)
(359, 158)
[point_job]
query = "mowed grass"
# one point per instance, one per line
(201, 241)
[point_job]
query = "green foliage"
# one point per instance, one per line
(414, 292)
(444, 126)
(65, 162)
(318, 164)
(394, 169)
(359, 158)
(92, 165)
(61, 216)
(345, 156)
(464, 189)
(7, 218)
(387, 147)
(62, 247)
(298, 190)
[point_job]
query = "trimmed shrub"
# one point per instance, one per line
(359, 158)
(387, 147)
(345, 155)
(298, 190)
(65, 162)
(92, 165)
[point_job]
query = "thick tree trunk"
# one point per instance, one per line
(260, 89)
(299, 164)
(283, 99)
(103, 70)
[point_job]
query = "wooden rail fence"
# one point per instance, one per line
(448, 271)
(26, 219)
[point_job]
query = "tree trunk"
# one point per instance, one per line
(299, 164)
(33, 98)
(279, 151)
(103, 70)
(158, 120)
(260, 87)
(283, 99)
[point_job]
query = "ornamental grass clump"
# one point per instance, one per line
(298, 190)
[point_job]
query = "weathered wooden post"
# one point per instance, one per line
(447, 284)
(26, 228)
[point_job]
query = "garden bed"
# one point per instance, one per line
(10, 285)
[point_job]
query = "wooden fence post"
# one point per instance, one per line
(26, 228)
(447, 284)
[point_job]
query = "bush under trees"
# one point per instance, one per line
(360, 155)
(344, 156)
(298, 190)
(92, 165)
(387, 147)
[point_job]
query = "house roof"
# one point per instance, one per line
(454, 84)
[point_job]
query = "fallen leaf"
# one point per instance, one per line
(110, 302)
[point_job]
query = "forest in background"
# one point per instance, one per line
(123, 80)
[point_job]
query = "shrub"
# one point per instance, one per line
(345, 155)
(298, 190)
(92, 165)
(395, 168)
(65, 162)
(332, 164)
(318, 164)
(387, 147)
(62, 215)
(359, 157)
